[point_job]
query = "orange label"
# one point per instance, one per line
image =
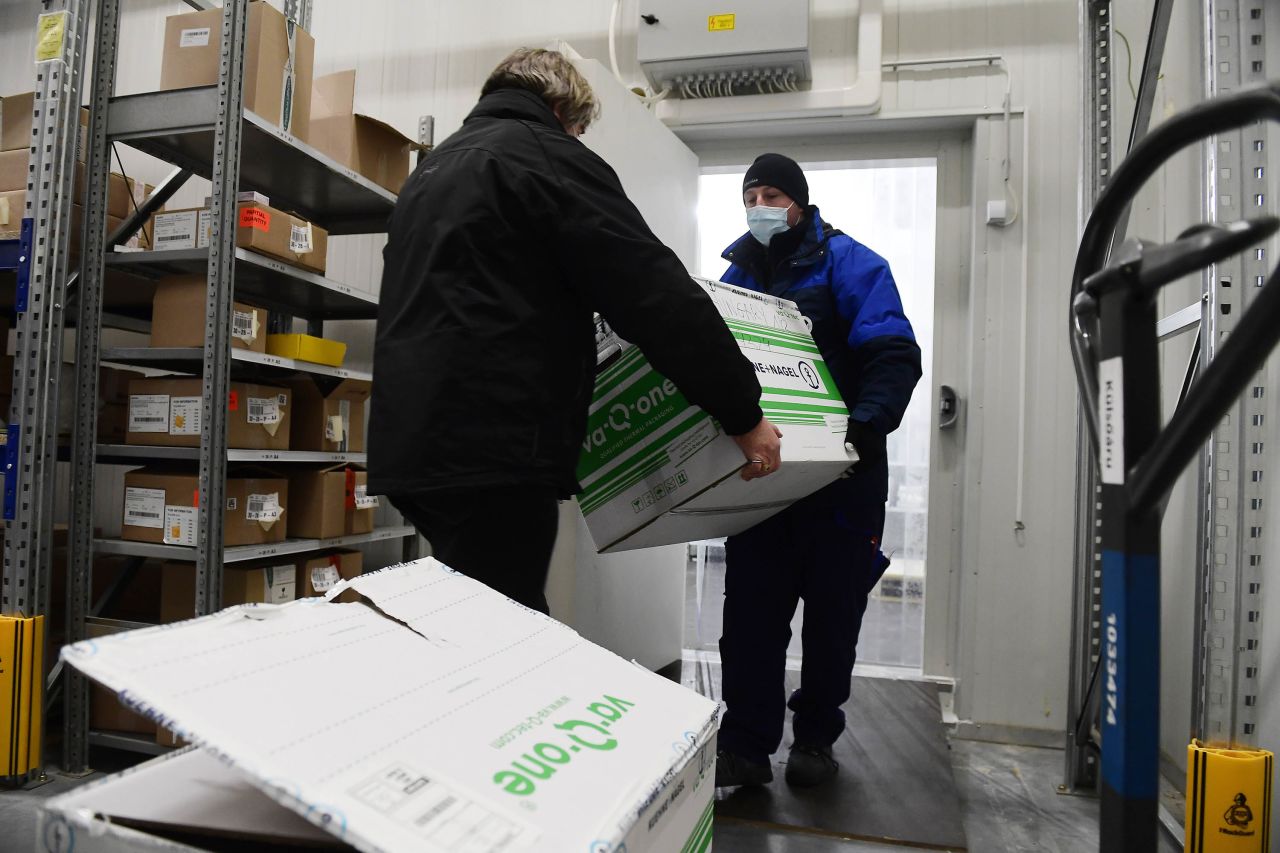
(195, 501)
(233, 402)
(335, 561)
(255, 217)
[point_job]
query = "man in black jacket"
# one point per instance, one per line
(503, 243)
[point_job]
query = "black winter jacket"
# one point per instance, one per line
(504, 241)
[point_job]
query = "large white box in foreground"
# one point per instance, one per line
(444, 718)
(657, 470)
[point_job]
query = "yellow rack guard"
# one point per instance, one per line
(21, 693)
(1228, 800)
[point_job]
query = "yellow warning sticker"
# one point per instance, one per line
(720, 23)
(51, 30)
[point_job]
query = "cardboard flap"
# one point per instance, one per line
(382, 127)
(333, 95)
(351, 389)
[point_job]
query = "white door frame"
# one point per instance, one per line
(952, 149)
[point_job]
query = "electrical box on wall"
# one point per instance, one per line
(704, 49)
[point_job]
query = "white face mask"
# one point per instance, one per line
(765, 222)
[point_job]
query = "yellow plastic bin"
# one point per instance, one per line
(307, 348)
(1228, 800)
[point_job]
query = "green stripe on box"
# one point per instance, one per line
(638, 477)
(628, 358)
(629, 417)
(628, 477)
(811, 395)
(700, 838)
(620, 373)
(677, 427)
(786, 406)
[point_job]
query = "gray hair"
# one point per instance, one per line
(552, 77)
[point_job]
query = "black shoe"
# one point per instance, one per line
(811, 765)
(733, 770)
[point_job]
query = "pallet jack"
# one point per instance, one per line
(1114, 348)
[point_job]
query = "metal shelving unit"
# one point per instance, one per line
(206, 132)
(240, 553)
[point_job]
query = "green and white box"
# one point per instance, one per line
(657, 470)
(444, 718)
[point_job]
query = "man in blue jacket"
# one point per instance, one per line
(824, 549)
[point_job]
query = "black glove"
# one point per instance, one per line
(866, 439)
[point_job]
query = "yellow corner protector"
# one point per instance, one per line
(1228, 800)
(21, 693)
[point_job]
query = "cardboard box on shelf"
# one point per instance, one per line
(318, 575)
(106, 714)
(331, 418)
(307, 348)
(657, 470)
(16, 114)
(13, 208)
(257, 582)
(644, 782)
(363, 144)
(113, 423)
(113, 383)
(13, 176)
(166, 412)
(329, 502)
(160, 506)
(278, 61)
(177, 316)
(259, 228)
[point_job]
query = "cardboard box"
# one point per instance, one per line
(166, 412)
(13, 206)
(113, 423)
(278, 62)
(657, 470)
(113, 384)
(260, 228)
(509, 728)
(329, 502)
(16, 115)
(307, 348)
(106, 714)
(329, 420)
(318, 575)
(258, 582)
(363, 144)
(160, 506)
(13, 176)
(177, 316)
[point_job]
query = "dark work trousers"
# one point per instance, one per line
(824, 549)
(501, 536)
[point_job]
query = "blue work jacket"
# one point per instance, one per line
(847, 291)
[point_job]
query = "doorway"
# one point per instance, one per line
(891, 207)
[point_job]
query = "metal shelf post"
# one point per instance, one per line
(41, 297)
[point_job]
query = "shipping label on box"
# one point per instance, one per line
(181, 229)
(144, 507)
(280, 584)
(149, 413)
(513, 733)
(657, 470)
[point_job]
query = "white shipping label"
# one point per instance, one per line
(198, 37)
(300, 238)
(324, 577)
(144, 507)
(149, 413)
(280, 584)
(364, 500)
(333, 430)
(263, 507)
(180, 525)
(175, 230)
(204, 229)
(244, 326)
(785, 372)
(1111, 418)
(184, 416)
(264, 410)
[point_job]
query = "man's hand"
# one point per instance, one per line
(865, 439)
(763, 449)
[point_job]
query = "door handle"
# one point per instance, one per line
(948, 407)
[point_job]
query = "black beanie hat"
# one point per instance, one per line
(775, 170)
